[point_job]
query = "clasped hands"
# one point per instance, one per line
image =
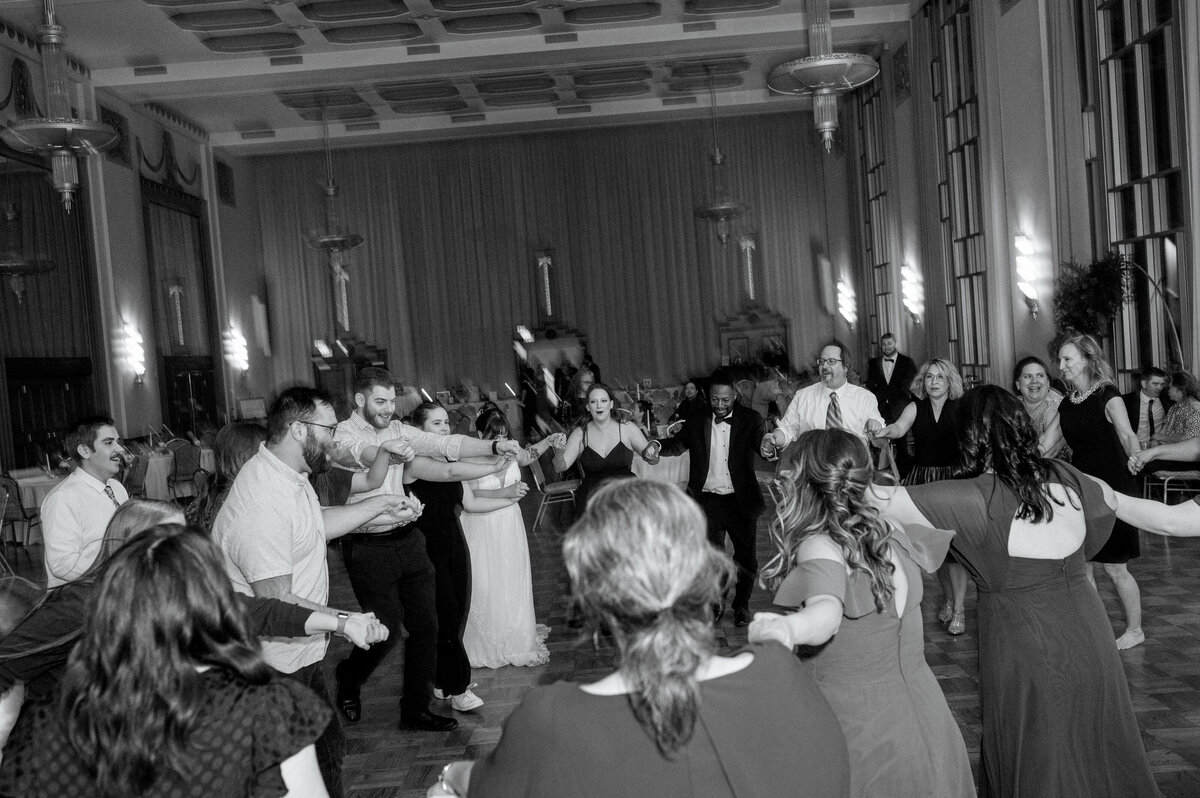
(363, 629)
(770, 626)
(651, 453)
(398, 509)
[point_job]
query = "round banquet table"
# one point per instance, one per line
(669, 469)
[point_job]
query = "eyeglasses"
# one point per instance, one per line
(331, 427)
(829, 361)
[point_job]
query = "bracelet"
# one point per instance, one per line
(495, 447)
(443, 784)
(341, 627)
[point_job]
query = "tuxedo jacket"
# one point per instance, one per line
(892, 396)
(1133, 406)
(746, 431)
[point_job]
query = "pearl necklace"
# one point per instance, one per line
(1078, 398)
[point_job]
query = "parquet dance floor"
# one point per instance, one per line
(1164, 673)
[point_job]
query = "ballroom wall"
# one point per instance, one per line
(447, 271)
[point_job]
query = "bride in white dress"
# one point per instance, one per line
(501, 627)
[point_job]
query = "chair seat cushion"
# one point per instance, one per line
(565, 486)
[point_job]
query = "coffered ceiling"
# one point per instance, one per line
(256, 75)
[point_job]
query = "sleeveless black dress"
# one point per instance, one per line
(617, 464)
(1096, 450)
(936, 447)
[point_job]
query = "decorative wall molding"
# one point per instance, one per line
(178, 120)
(167, 166)
(32, 44)
(120, 152)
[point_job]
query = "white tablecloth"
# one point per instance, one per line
(669, 469)
(35, 485)
(160, 467)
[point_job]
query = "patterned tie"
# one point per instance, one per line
(833, 416)
(108, 491)
(1150, 415)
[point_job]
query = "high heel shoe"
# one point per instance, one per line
(958, 623)
(946, 612)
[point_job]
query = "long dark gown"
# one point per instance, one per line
(617, 464)
(902, 739)
(1097, 450)
(1057, 717)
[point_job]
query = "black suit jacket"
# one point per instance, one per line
(892, 396)
(1133, 406)
(745, 434)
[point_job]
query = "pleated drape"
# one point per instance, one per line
(447, 271)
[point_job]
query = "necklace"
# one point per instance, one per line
(1077, 398)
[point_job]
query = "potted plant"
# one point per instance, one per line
(1088, 296)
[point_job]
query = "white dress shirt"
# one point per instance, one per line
(74, 516)
(810, 405)
(889, 365)
(718, 479)
(1160, 415)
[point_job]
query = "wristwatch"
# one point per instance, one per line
(342, 618)
(495, 447)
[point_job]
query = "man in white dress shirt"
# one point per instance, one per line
(832, 402)
(77, 511)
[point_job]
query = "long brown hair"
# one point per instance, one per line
(823, 478)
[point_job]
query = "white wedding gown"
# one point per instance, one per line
(501, 627)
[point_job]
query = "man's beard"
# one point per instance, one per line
(377, 420)
(316, 456)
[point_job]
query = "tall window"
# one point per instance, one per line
(960, 195)
(877, 213)
(1133, 84)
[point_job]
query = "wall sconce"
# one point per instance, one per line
(846, 304)
(237, 354)
(135, 353)
(1027, 272)
(913, 292)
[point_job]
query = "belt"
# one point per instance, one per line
(395, 533)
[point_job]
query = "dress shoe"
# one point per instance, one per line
(427, 721)
(741, 616)
(718, 612)
(349, 703)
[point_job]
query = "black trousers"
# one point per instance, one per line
(331, 745)
(447, 549)
(393, 578)
(725, 516)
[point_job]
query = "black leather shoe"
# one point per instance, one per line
(718, 611)
(349, 703)
(427, 721)
(741, 617)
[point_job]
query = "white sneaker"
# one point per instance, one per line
(438, 694)
(466, 701)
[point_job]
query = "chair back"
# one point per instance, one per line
(539, 476)
(187, 461)
(13, 509)
(135, 476)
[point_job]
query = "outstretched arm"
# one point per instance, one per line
(648, 450)
(570, 453)
(433, 470)
(1184, 450)
(900, 427)
(1172, 520)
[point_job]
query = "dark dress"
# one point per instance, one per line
(617, 464)
(1096, 450)
(1057, 718)
(902, 739)
(763, 731)
(936, 447)
(241, 735)
(447, 549)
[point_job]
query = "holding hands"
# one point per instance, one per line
(516, 490)
(651, 453)
(400, 451)
(363, 629)
(509, 448)
(873, 428)
(398, 508)
(769, 448)
(558, 441)
(770, 626)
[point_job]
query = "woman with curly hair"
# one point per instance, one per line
(930, 416)
(675, 718)
(167, 693)
(1057, 718)
(857, 581)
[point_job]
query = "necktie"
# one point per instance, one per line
(722, 420)
(1150, 415)
(890, 359)
(833, 416)
(108, 491)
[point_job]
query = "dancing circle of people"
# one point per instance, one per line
(179, 654)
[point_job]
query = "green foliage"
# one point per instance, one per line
(1088, 296)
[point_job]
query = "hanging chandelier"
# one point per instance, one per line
(823, 74)
(721, 207)
(13, 263)
(335, 241)
(58, 135)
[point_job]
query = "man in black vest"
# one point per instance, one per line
(1147, 407)
(723, 440)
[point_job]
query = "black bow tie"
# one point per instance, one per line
(890, 359)
(721, 420)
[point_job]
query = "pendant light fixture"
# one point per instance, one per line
(721, 207)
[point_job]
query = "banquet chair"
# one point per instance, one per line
(187, 466)
(1183, 483)
(15, 513)
(134, 478)
(552, 492)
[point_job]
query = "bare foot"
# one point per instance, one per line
(1131, 638)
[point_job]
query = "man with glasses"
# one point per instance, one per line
(721, 439)
(272, 533)
(828, 404)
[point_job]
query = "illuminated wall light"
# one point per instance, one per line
(1027, 272)
(135, 353)
(237, 354)
(846, 304)
(912, 289)
(524, 333)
